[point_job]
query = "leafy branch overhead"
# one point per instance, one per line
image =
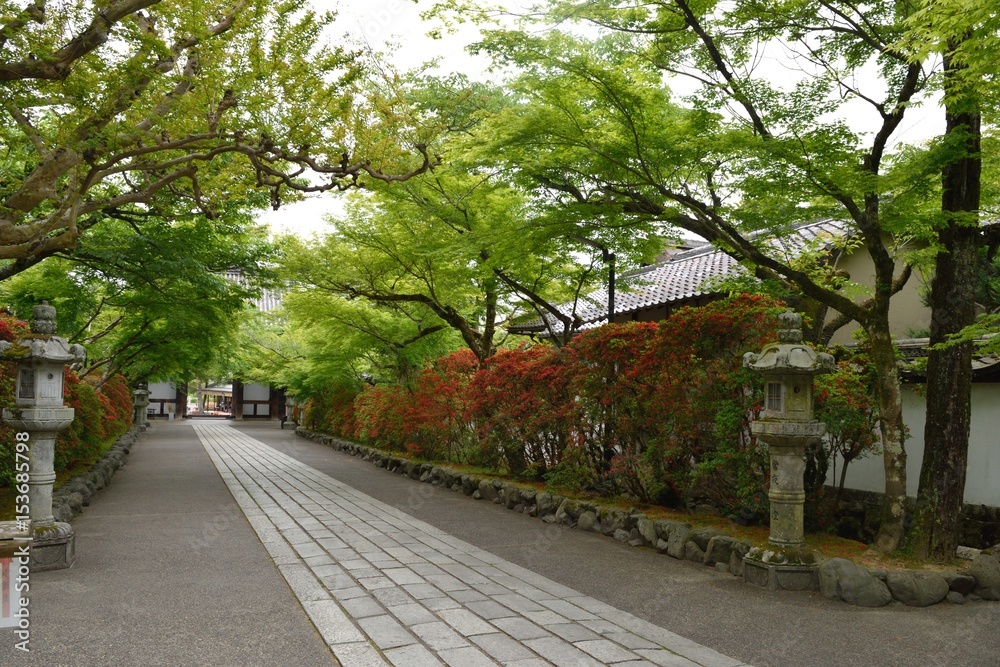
(110, 110)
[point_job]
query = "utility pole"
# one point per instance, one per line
(609, 258)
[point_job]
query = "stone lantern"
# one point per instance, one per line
(787, 427)
(38, 410)
(140, 401)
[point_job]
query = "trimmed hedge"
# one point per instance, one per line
(655, 411)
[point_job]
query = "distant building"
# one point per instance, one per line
(238, 400)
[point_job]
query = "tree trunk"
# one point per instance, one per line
(937, 521)
(890, 533)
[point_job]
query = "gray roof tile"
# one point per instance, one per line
(681, 278)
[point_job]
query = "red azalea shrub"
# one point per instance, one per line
(426, 420)
(523, 411)
(379, 414)
(11, 328)
(701, 402)
(82, 440)
(116, 401)
(659, 412)
(332, 410)
(101, 415)
(610, 378)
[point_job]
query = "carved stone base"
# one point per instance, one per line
(13, 539)
(778, 570)
(53, 547)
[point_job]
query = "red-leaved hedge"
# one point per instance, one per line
(657, 411)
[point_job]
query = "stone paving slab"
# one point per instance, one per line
(384, 588)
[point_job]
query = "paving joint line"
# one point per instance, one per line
(331, 543)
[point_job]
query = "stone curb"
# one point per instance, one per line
(839, 579)
(69, 499)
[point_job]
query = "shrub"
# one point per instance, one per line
(332, 410)
(426, 420)
(523, 411)
(116, 403)
(658, 412)
(607, 376)
(81, 442)
(700, 401)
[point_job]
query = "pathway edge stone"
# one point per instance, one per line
(675, 539)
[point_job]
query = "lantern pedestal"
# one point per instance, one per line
(140, 401)
(786, 564)
(787, 427)
(53, 545)
(781, 569)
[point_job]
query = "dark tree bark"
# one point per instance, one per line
(937, 520)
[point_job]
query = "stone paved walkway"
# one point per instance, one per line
(384, 588)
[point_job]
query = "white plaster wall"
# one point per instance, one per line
(255, 391)
(167, 390)
(907, 311)
(982, 484)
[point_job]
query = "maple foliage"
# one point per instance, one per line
(846, 403)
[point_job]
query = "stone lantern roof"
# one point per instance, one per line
(789, 356)
(42, 345)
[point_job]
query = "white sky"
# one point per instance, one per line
(379, 22)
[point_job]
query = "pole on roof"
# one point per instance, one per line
(609, 258)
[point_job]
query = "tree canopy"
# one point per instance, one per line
(116, 110)
(153, 301)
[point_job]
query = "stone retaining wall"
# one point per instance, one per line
(861, 514)
(69, 499)
(839, 579)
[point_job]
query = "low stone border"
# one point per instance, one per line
(70, 498)
(839, 578)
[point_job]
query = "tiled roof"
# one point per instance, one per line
(269, 299)
(682, 278)
(914, 350)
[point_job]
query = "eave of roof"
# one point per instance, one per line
(677, 280)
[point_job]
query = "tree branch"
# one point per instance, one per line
(59, 64)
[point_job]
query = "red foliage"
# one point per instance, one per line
(82, 440)
(655, 411)
(425, 420)
(11, 328)
(701, 401)
(333, 411)
(116, 399)
(523, 410)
